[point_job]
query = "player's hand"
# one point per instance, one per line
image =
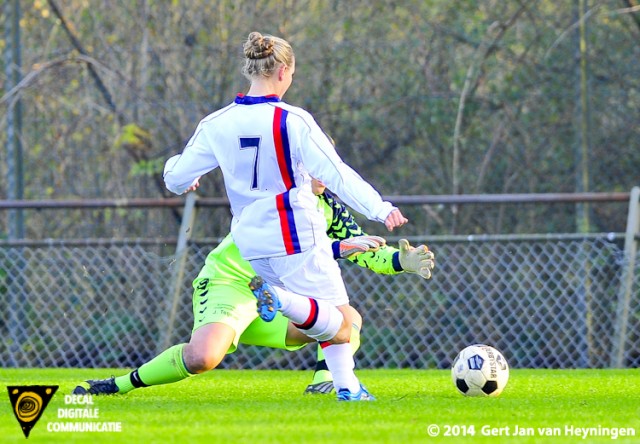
(360, 244)
(395, 219)
(418, 260)
(194, 186)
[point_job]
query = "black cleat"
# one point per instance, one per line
(97, 387)
(320, 388)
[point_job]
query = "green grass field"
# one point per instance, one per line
(267, 407)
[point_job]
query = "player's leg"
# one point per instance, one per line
(325, 316)
(322, 321)
(322, 382)
(338, 355)
(283, 334)
(319, 319)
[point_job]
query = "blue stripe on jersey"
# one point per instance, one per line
(286, 150)
(281, 145)
(293, 232)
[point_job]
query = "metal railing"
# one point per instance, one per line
(546, 300)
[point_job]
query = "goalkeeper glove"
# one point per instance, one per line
(416, 259)
(352, 246)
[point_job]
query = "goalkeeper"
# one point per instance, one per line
(224, 307)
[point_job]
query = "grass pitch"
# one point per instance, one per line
(413, 406)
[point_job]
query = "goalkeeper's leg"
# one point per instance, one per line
(221, 314)
(204, 352)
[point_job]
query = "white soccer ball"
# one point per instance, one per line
(480, 370)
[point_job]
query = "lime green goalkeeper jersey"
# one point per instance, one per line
(225, 264)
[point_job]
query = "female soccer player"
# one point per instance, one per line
(268, 151)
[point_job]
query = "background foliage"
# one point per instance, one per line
(421, 97)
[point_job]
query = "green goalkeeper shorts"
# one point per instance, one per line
(233, 304)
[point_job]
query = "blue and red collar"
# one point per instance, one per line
(241, 99)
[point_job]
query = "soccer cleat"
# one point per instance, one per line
(344, 394)
(320, 388)
(268, 302)
(97, 387)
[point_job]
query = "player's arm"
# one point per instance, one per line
(182, 172)
(319, 156)
(383, 260)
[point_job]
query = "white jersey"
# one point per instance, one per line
(268, 151)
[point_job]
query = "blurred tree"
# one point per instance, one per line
(421, 97)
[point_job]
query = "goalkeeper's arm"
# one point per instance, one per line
(389, 260)
(381, 259)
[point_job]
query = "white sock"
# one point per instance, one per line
(295, 307)
(317, 319)
(339, 359)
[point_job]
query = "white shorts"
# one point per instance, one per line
(313, 273)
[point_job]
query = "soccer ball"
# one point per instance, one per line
(480, 370)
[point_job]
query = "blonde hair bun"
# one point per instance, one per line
(258, 46)
(263, 53)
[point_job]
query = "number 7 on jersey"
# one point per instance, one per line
(251, 143)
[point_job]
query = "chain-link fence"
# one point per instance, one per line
(546, 301)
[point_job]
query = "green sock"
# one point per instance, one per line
(165, 368)
(322, 373)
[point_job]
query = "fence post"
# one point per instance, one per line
(626, 285)
(186, 229)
